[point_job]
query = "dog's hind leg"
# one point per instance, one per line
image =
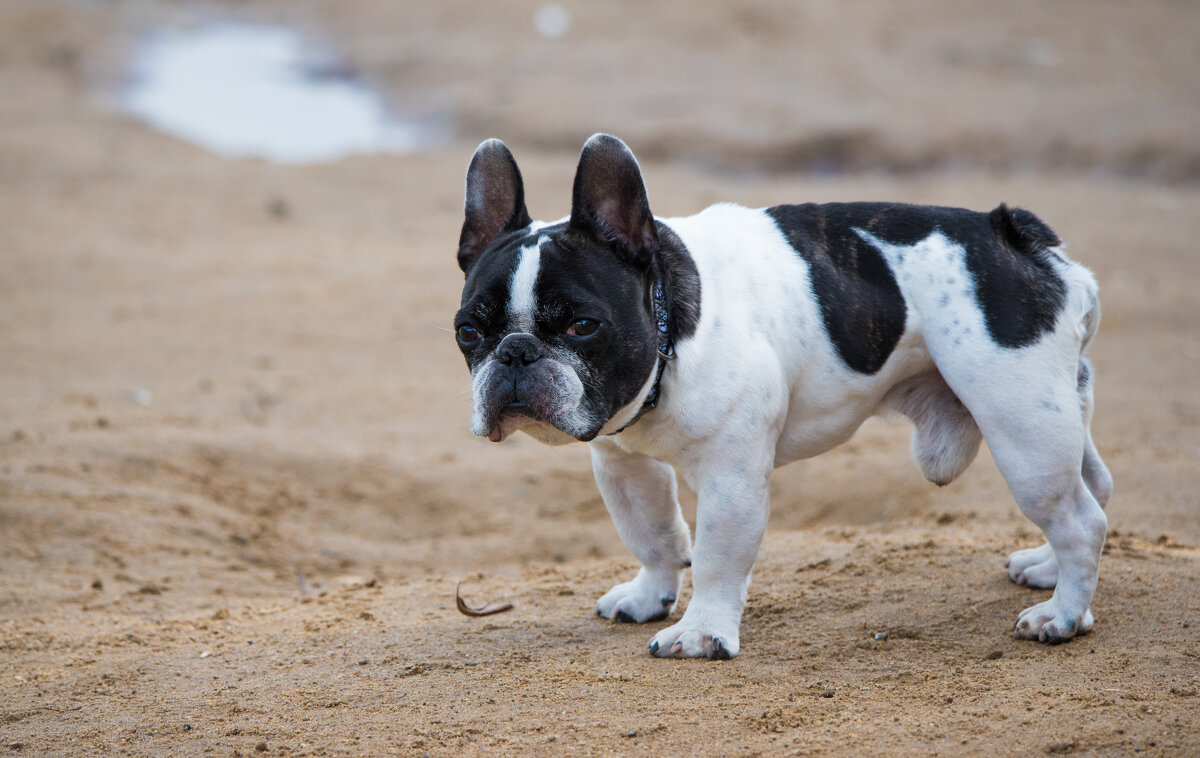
(1029, 412)
(1095, 473)
(1037, 567)
(1030, 406)
(1010, 350)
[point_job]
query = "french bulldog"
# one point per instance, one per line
(719, 346)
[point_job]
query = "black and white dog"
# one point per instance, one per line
(724, 344)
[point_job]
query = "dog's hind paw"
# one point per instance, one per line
(1034, 567)
(1047, 622)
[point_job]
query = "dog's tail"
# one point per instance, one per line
(1023, 231)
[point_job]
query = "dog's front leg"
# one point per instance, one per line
(642, 497)
(731, 518)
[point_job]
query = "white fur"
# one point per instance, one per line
(640, 494)
(760, 385)
(522, 302)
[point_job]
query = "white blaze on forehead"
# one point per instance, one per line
(522, 300)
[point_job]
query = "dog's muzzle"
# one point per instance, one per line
(523, 380)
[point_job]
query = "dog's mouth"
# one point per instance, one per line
(510, 418)
(544, 400)
(522, 416)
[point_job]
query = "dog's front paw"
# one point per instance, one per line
(1034, 567)
(1049, 623)
(696, 639)
(646, 598)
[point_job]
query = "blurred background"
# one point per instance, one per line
(867, 86)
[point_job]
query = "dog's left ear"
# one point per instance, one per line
(495, 201)
(609, 201)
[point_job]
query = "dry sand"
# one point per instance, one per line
(237, 488)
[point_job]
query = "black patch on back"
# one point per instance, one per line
(1016, 285)
(860, 301)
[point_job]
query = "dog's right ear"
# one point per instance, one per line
(495, 200)
(609, 200)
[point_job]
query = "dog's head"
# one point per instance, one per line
(556, 322)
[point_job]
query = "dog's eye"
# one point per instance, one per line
(583, 327)
(467, 334)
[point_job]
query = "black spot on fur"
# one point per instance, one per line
(1015, 282)
(1023, 229)
(860, 301)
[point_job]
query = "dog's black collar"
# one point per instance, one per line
(666, 350)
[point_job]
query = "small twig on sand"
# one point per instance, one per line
(485, 610)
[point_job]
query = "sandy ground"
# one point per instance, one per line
(237, 488)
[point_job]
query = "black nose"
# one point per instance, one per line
(521, 349)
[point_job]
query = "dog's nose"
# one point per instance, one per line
(519, 349)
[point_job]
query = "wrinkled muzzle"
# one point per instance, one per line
(522, 385)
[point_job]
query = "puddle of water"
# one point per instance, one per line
(258, 92)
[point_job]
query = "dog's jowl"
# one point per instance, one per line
(719, 346)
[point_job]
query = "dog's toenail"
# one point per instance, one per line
(667, 601)
(719, 651)
(625, 618)
(653, 647)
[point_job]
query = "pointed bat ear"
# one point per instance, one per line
(609, 200)
(495, 201)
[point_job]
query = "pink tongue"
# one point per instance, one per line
(494, 435)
